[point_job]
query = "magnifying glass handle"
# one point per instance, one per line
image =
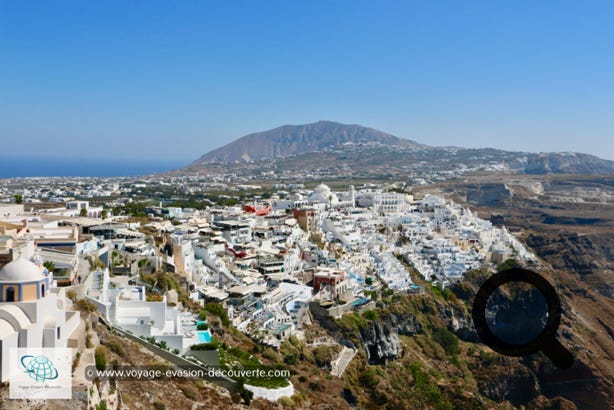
(560, 356)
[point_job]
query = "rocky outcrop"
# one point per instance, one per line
(406, 325)
(381, 342)
(516, 384)
(381, 338)
(489, 194)
(458, 321)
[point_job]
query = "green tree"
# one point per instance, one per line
(83, 212)
(104, 214)
(49, 265)
(19, 199)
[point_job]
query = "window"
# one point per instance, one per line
(10, 295)
(58, 332)
(43, 290)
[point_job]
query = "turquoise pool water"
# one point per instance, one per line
(200, 322)
(204, 336)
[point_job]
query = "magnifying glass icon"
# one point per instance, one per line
(545, 341)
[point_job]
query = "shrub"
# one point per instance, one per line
(323, 355)
(286, 401)
(271, 355)
(150, 297)
(370, 314)
(190, 392)
(72, 295)
(352, 321)
(447, 340)
(368, 379)
(427, 390)
(116, 347)
(100, 358)
(214, 345)
(202, 326)
(291, 359)
(219, 311)
(75, 363)
(159, 365)
(85, 306)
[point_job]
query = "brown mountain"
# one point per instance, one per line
(297, 139)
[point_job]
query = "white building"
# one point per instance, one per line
(32, 314)
(389, 202)
(129, 309)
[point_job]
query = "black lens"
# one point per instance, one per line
(516, 313)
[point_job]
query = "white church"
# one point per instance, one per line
(32, 311)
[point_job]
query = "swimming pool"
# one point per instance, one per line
(204, 336)
(200, 322)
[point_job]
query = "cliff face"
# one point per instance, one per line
(380, 339)
(380, 342)
(459, 321)
(588, 255)
(517, 314)
(511, 382)
(489, 194)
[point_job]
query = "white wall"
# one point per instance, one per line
(271, 394)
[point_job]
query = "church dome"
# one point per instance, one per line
(20, 270)
(322, 189)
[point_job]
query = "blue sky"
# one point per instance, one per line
(175, 79)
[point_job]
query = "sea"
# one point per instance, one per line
(11, 167)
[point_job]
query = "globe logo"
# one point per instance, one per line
(40, 368)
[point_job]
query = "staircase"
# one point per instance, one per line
(339, 365)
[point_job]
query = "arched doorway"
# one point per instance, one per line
(10, 295)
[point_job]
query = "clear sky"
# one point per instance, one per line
(175, 79)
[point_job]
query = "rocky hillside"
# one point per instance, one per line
(568, 222)
(421, 351)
